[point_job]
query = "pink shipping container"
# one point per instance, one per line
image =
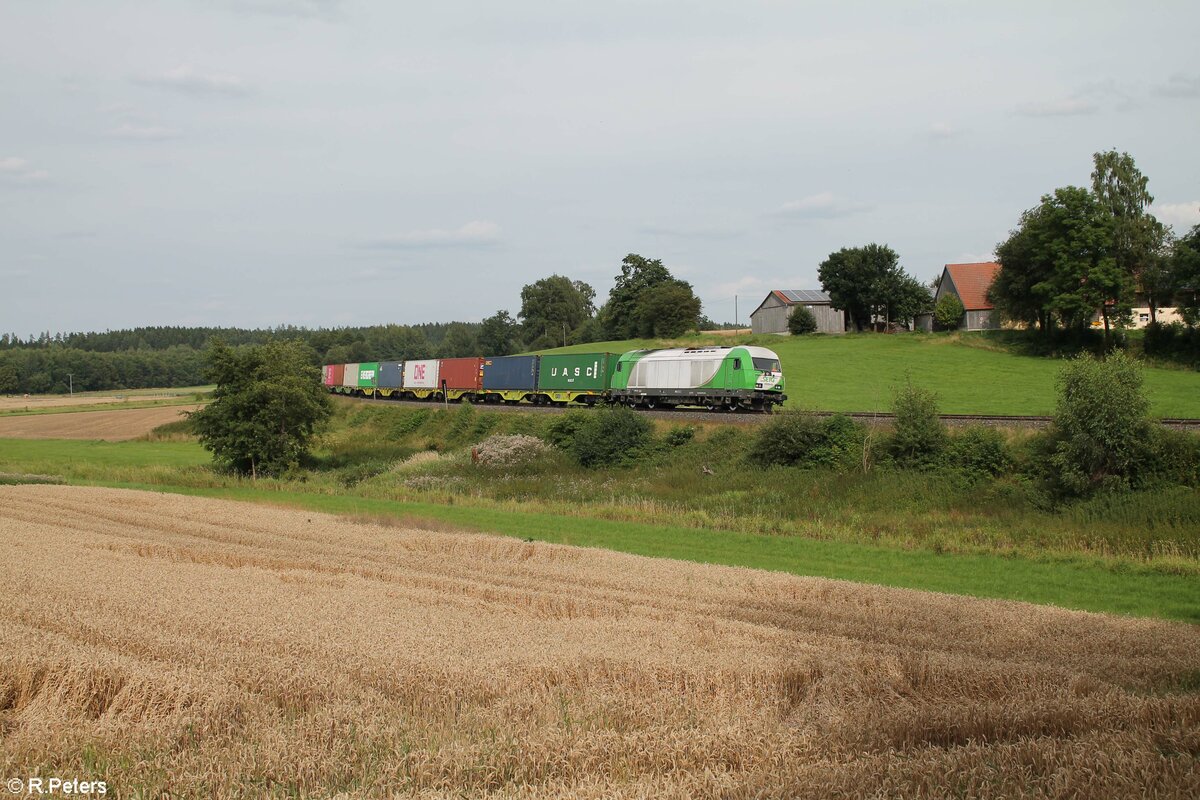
(334, 374)
(421, 374)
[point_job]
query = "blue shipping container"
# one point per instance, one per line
(511, 372)
(389, 374)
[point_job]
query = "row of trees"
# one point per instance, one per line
(1084, 252)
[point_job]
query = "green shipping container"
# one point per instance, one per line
(368, 374)
(576, 372)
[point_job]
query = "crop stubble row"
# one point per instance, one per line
(207, 647)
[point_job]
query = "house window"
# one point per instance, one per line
(1144, 317)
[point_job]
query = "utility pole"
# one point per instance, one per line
(736, 318)
(71, 383)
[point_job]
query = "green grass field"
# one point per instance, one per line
(971, 375)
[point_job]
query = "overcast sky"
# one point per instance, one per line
(314, 162)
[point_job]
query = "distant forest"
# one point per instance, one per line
(141, 358)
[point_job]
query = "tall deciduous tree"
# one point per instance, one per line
(267, 406)
(1059, 264)
(499, 335)
(459, 342)
(1185, 266)
(868, 281)
(1137, 237)
(640, 293)
(555, 306)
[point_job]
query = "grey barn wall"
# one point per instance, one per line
(772, 317)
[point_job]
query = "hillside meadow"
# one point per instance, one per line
(216, 649)
(971, 373)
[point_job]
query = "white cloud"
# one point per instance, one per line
(473, 234)
(1179, 215)
(1067, 107)
(1180, 85)
(143, 133)
(16, 171)
(819, 206)
(187, 80)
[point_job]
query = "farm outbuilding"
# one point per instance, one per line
(969, 283)
(773, 313)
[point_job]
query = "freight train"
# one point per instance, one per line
(720, 378)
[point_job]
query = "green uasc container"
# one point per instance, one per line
(368, 374)
(576, 372)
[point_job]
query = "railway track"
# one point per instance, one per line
(748, 418)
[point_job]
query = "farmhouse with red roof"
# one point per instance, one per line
(969, 283)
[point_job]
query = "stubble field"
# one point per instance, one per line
(197, 647)
(111, 426)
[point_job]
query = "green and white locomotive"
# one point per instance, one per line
(720, 378)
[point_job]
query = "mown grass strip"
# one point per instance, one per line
(1060, 583)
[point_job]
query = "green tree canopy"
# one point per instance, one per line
(499, 335)
(801, 321)
(948, 312)
(1185, 266)
(459, 342)
(1139, 241)
(868, 281)
(1059, 265)
(554, 307)
(267, 406)
(646, 300)
(667, 310)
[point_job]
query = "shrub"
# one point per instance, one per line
(801, 321)
(1171, 457)
(509, 451)
(918, 437)
(948, 312)
(806, 440)
(610, 436)
(679, 436)
(979, 452)
(1100, 432)
(561, 432)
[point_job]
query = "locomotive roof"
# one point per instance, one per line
(698, 353)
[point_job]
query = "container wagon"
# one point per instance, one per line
(334, 374)
(367, 373)
(349, 379)
(421, 379)
(576, 377)
(511, 379)
(460, 379)
(390, 378)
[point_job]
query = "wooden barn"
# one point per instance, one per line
(773, 313)
(969, 283)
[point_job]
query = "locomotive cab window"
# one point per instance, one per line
(766, 365)
(619, 365)
(737, 363)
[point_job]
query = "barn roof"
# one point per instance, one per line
(793, 296)
(971, 282)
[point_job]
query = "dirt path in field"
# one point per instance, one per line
(40, 401)
(201, 647)
(112, 426)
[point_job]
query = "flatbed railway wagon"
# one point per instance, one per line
(719, 378)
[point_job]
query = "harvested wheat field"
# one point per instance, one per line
(111, 426)
(195, 648)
